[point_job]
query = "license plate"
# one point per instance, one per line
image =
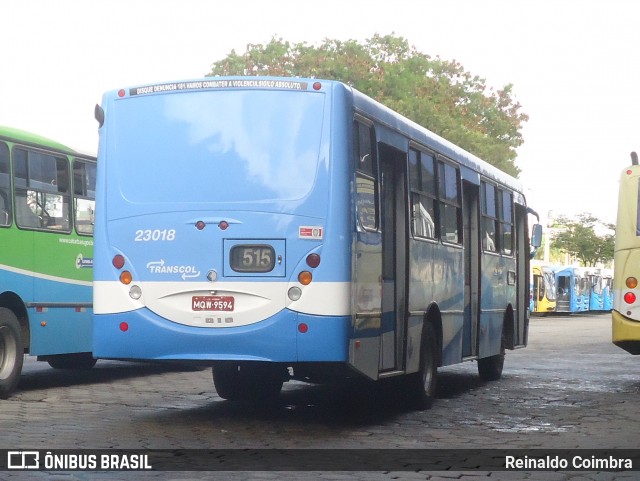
(212, 303)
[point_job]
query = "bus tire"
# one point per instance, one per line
(490, 368)
(236, 382)
(76, 361)
(11, 352)
(423, 384)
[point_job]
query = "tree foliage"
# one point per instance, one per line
(438, 94)
(579, 239)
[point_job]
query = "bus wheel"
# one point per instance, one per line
(423, 384)
(77, 361)
(490, 368)
(237, 382)
(11, 352)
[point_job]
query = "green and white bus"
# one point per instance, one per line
(47, 200)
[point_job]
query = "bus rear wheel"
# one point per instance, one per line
(76, 361)
(11, 352)
(242, 382)
(490, 368)
(423, 384)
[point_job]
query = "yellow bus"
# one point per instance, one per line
(626, 297)
(544, 289)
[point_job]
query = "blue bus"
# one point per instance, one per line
(596, 284)
(607, 289)
(572, 290)
(279, 228)
(47, 199)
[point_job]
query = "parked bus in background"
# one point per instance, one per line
(544, 290)
(282, 229)
(607, 289)
(47, 194)
(572, 290)
(626, 262)
(595, 283)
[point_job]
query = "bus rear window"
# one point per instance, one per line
(212, 146)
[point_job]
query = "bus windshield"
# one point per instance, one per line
(230, 146)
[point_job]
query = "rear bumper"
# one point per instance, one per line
(276, 339)
(625, 333)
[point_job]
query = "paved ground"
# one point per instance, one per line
(571, 388)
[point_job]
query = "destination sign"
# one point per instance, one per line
(219, 84)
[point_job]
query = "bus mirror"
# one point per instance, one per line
(536, 235)
(99, 114)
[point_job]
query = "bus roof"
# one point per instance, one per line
(24, 137)
(362, 102)
(424, 136)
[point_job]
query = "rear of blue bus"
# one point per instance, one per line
(222, 228)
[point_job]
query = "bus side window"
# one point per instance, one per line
(506, 221)
(366, 191)
(41, 187)
(489, 220)
(5, 186)
(450, 205)
(423, 192)
(84, 189)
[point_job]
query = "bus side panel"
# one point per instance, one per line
(448, 288)
(421, 296)
(16, 263)
(421, 274)
(53, 330)
(57, 329)
(60, 330)
(493, 303)
(18, 283)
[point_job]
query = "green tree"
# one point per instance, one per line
(435, 93)
(579, 239)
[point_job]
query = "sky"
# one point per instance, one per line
(574, 66)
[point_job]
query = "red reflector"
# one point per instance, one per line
(629, 298)
(223, 225)
(200, 225)
(124, 327)
(118, 261)
(317, 86)
(313, 260)
(121, 93)
(629, 172)
(302, 327)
